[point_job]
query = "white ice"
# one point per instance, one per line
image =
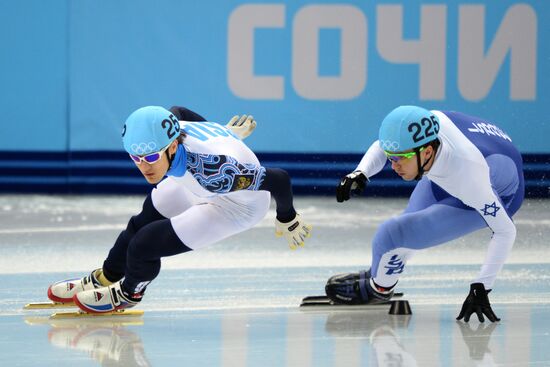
(236, 303)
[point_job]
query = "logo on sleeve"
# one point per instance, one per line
(490, 209)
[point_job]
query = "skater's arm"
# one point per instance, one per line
(185, 114)
(488, 205)
(355, 182)
(373, 161)
(471, 183)
(223, 174)
(288, 223)
(277, 182)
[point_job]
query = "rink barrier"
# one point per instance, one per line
(107, 172)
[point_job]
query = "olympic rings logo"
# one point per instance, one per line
(144, 148)
(389, 145)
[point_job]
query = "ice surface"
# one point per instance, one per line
(235, 303)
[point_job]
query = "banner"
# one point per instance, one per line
(318, 76)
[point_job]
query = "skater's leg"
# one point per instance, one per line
(221, 217)
(421, 197)
(397, 239)
(432, 217)
(507, 181)
(114, 265)
(168, 199)
(197, 227)
(149, 245)
(386, 241)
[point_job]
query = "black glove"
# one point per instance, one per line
(353, 183)
(478, 302)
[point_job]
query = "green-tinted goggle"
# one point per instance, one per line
(396, 157)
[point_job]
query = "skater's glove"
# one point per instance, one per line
(242, 126)
(353, 183)
(295, 231)
(478, 302)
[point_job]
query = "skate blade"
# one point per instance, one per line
(48, 305)
(324, 301)
(82, 314)
(329, 303)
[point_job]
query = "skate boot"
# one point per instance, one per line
(64, 290)
(356, 289)
(106, 299)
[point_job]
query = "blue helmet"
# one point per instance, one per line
(149, 129)
(406, 128)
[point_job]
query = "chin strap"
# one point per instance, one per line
(421, 167)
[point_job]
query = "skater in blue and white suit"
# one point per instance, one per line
(209, 186)
(470, 176)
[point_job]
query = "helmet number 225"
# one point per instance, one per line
(431, 128)
(172, 125)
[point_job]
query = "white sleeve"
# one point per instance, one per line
(482, 198)
(373, 161)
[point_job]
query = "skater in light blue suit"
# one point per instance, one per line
(470, 176)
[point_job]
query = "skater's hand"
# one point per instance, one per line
(478, 302)
(242, 126)
(295, 231)
(352, 183)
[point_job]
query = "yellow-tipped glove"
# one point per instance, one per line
(295, 231)
(242, 126)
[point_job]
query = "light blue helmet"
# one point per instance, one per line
(406, 128)
(149, 129)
